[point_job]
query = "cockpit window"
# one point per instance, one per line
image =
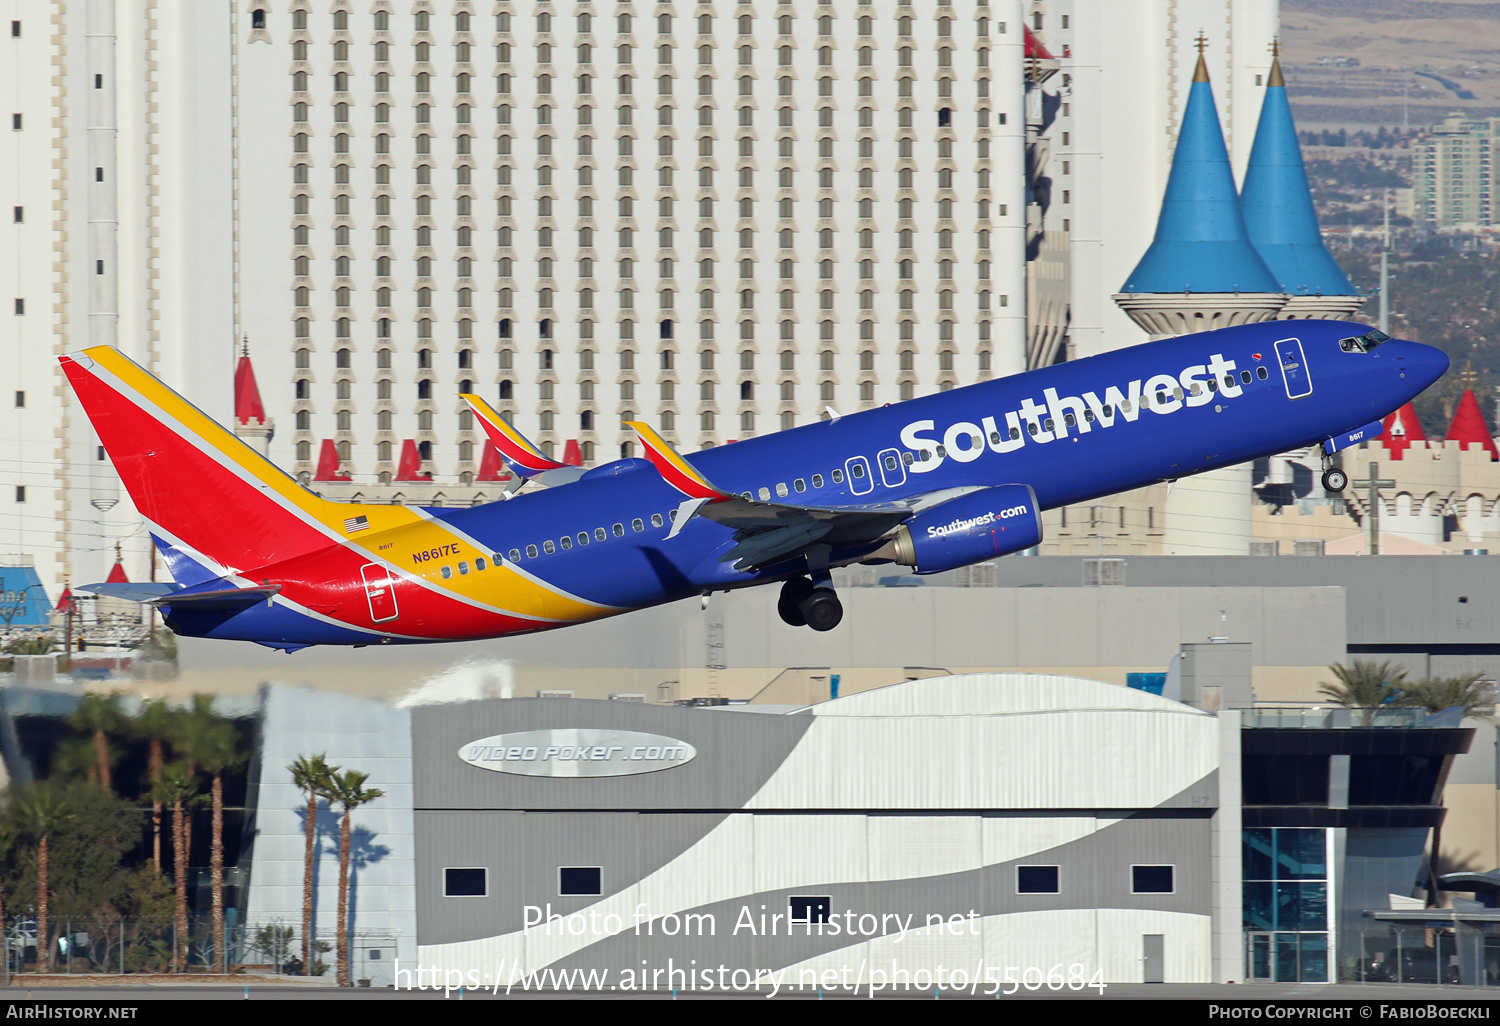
(1364, 343)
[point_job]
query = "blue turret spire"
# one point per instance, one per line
(1278, 204)
(1201, 244)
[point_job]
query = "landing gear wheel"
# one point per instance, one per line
(1335, 480)
(793, 593)
(822, 610)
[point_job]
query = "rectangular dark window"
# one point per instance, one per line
(98, 81)
(20, 493)
(809, 909)
(465, 883)
(20, 306)
(19, 214)
(15, 30)
(579, 879)
(1151, 879)
(20, 400)
(15, 122)
(1036, 880)
(98, 174)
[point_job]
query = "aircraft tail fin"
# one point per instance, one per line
(675, 470)
(524, 459)
(214, 505)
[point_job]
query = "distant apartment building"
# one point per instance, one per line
(1453, 180)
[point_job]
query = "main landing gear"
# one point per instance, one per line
(810, 603)
(1334, 479)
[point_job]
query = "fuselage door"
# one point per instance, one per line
(380, 589)
(860, 481)
(1293, 368)
(892, 470)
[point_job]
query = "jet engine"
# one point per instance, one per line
(969, 529)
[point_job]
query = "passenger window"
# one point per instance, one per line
(463, 566)
(566, 542)
(838, 477)
(909, 459)
(1260, 372)
(1213, 384)
(548, 547)
(531, 552)
(656, 520)
(1030, 427)
(817, 480)
(1245, 377)
(1088, 415)
(515, 556)
(479, 564)
(637, 525)
(447, 572)
(1229, 381)
(600, 534)
(800, 485)
(765, 495)
(858, 471)
(583, 537)
(619, 530)
(781, 490)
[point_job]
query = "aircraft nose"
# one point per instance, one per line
(1421, 364)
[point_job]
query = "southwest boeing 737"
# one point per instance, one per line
(935, 483)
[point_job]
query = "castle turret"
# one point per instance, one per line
(1202, 271)
(1279, 216)
(250, 420)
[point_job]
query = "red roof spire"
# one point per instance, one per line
(410, 468)
(328, 463)
(1401, 429)
(1469, 428)
(490, 467)
(1034, 47)
(247, 404)
(65, 603)
(117, 573)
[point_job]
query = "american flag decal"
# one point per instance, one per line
(356, 524)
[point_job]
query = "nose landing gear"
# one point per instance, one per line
(1334, 479)
(809, 603)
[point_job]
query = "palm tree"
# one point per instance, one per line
(155, 723)
(1435, 694)
(41, 812)
(311, 775)
(100, 716)
(347, 790)
(1366, 686)
(176, 787)
(217, 750)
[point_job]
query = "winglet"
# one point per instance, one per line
(675, 470)
(523, 458)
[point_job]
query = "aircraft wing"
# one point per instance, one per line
(766, 532)
(524, 459)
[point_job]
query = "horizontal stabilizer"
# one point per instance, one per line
(221, 598)
(144, 592)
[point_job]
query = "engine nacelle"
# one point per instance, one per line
(969, 529)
